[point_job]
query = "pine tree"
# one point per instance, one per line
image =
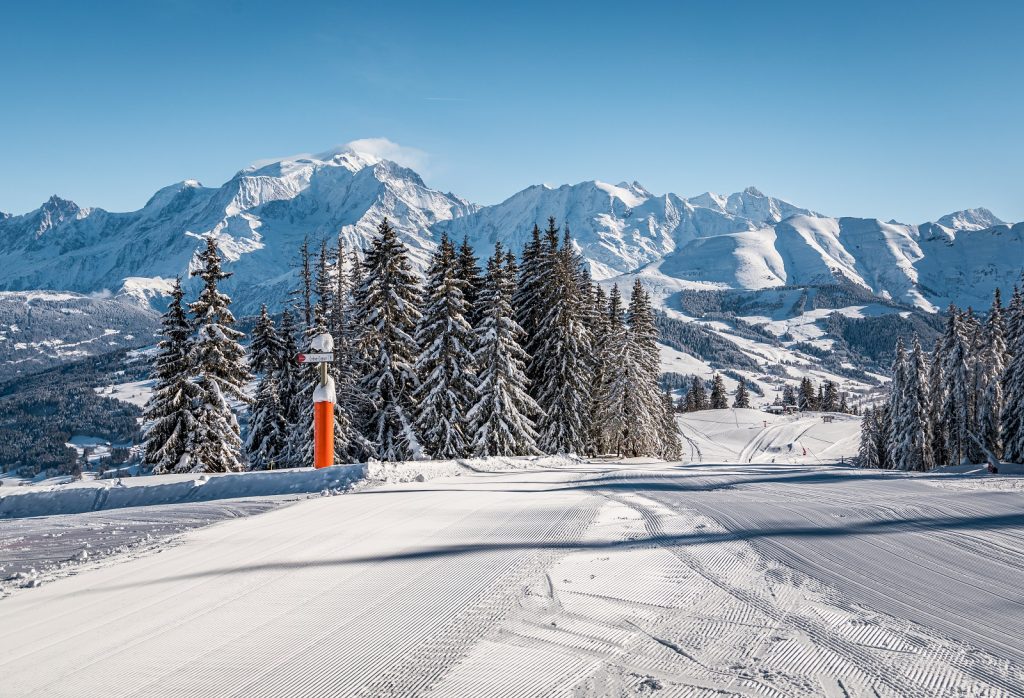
(598, 324)
(788, 396)
(1013, 383)
(916, 439)
(937, 399)
(830, 399)
(610, 381)
(867, 453)
(644, 404)
(974, 337)
(898, 407)
(671, 447)
(268, 430)
(323, 284)
(881, 431)
(620, 378)
(387, 311)
(445, 364)
(991, 365)
(305, 290)
(219, 360)
(339, 311)
(742, 399)
(266, 350)
(502, 417)
(560, 363)
(468, 270)
(718, 398)
(956, 411)
(289, 383)
(528, 301)
(807, 398)
(698, 394)
(169, 413)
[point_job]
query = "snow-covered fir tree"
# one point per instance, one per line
(502, 418)
(956, 409)
(807, 398)
(266, 349)
(742, 397)
(445, 363)
(598, 324)
(696, 396)
(267, 439)
(289, 382)
(990, 367)
(671, 447)
(469, 272)
(268, 426)
(788, 395)
(528, 301)
(615, 403)
(323, 284)
(562, 348)
(170, 413)
(655, 431)
(830, 397)
(1013, 383)
(221, 373)
(387, 307)
(719, 401)
(936, 401)
(867, 453)
(897, 406)
(304, 292)
(915, 441)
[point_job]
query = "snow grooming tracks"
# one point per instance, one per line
(702, 619)
(811, 639)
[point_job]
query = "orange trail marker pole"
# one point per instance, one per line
(323, 421)
(323, 401)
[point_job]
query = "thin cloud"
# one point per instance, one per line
(379, 148)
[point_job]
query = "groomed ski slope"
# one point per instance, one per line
(602, 579)
(753, 436)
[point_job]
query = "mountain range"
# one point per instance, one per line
(746, 240)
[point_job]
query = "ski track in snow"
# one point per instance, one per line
(587, 580)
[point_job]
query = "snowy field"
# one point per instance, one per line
(554, 578)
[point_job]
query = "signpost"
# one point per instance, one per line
(323, 400)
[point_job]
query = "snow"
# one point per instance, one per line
(579, 579)
(136, 392)
(752, 436)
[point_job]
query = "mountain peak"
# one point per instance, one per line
(970, 219)
(57, 204)
(753, 191)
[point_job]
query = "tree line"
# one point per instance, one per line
(527, 356)
(963, 402)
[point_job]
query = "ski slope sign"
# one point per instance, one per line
(320, 358)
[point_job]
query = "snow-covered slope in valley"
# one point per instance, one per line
(260, 217)
(39, 329)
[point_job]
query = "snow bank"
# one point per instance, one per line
(62, 497)
(153, 490)
(419, 471)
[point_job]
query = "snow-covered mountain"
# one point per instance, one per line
(745, 240)
(619, 228)
(259, 216)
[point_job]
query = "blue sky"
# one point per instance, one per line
(902, 110)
